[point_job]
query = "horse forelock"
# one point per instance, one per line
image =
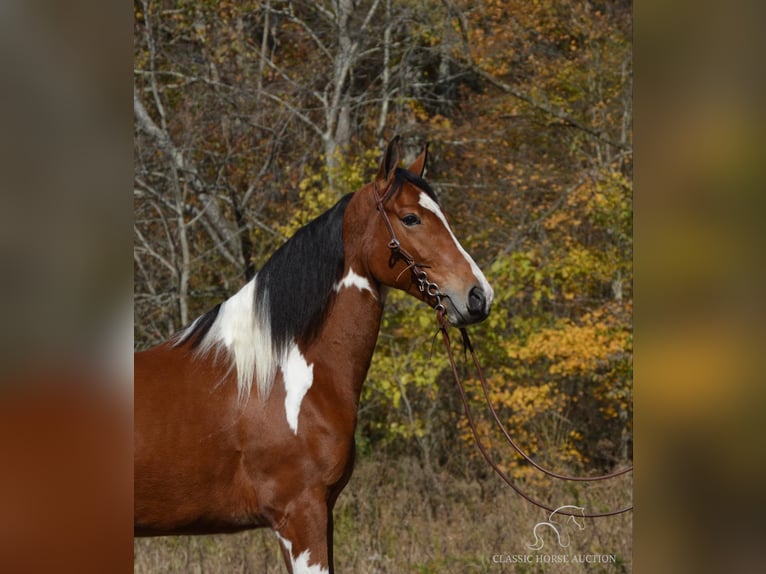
(403, 175)
(284, 303)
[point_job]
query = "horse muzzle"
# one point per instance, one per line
(471, 308)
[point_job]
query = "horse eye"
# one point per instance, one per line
(410, 220)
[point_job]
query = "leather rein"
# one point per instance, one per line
(432, 290)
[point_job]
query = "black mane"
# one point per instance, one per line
(200, 327)
(296, 283)
(294, 286)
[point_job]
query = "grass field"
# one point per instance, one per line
(395, 518)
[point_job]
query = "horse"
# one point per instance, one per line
(246, 417)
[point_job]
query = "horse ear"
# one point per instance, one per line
(390, 160)
(418, 167)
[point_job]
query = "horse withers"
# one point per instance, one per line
(246, 418)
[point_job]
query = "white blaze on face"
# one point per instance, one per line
(300, 563)
(298, 376)
(428, 203)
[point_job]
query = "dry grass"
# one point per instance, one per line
(394, 518)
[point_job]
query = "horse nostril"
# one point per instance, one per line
(476, 301)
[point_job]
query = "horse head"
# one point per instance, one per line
(413, 248)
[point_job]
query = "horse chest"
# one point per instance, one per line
(307, 428)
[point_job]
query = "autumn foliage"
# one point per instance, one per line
(253, 117)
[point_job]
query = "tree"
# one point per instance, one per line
(252, 117)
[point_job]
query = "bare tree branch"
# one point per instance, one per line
(550, 110)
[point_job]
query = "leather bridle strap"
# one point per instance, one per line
(482, 448)
(398, 252)
(393, 245)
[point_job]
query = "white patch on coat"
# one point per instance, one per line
(353, 279)
(427, 202)
(300, 563)
(245, 332)
(298, 376)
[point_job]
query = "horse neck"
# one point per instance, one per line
(349, 337)
(349, 334)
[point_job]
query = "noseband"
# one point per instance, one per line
(398, 252)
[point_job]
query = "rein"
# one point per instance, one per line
(432, 290)
(467, 341)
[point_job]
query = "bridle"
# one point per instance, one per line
(432, 289)
(398, 252)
